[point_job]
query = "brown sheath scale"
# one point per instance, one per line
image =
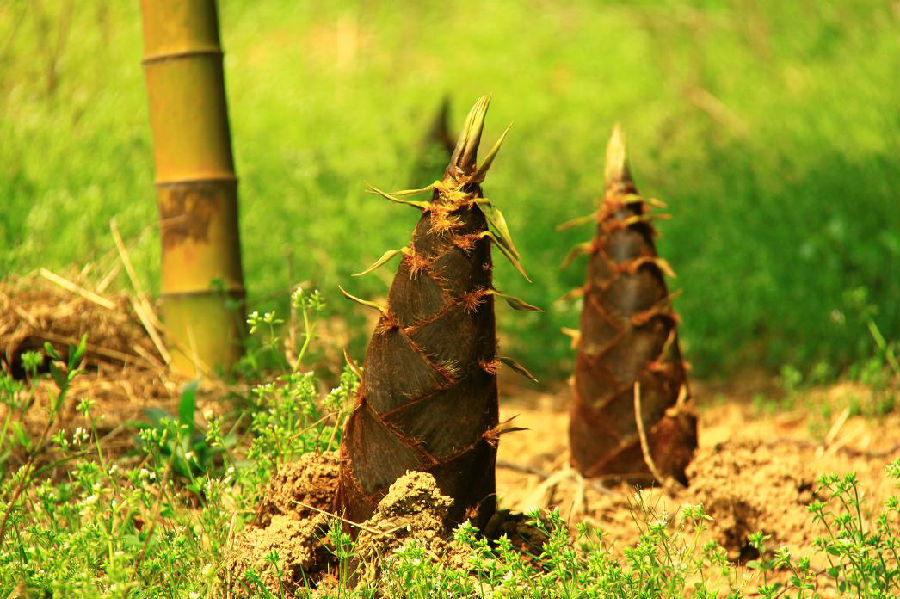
(428, 398)
(628, 346)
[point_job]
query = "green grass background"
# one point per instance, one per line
(771, 129)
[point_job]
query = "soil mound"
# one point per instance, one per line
(412, 510)
(292, 520)
(295, 516)
(301, 489)
(282, 557)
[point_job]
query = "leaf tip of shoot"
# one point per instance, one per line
(465, 154)
(616, 157)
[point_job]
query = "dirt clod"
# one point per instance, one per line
(292, 520)
(413, 509)
(301, 489)
(300, 554)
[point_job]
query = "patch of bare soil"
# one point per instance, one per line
(753, 471)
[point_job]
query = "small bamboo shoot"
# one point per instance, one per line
(628, 338)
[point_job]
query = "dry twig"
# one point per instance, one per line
(70, 286)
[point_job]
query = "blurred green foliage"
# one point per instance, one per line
(769, 128)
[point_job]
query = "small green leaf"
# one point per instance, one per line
(517, 367)
(59, 377)
(410, 192)
(18, 430)
(187, 405)
(489, 159)
(500, 234)
(515, 303)
(514, 260)
(579, 250)
(577, 222)
(361, 301)
(497, 223)
(510, 255)
(380, 262)
(414, 203)
(78, 352)
(50, 351)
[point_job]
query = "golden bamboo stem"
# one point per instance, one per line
(196, 184)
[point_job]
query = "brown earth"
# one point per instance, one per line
(755, 469)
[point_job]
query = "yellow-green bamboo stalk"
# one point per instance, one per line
(195, 182)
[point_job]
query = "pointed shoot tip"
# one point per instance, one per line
(617, 157)
(465, 154)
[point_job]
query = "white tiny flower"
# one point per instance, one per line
(79, 436)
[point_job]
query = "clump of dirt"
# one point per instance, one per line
(301, 556)
(296, 513)
(413, 509)
(301, 489)
(292, 520)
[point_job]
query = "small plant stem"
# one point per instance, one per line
(6, 422)
(380, 533)
(308, 328)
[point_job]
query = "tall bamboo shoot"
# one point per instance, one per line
(428, 399)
